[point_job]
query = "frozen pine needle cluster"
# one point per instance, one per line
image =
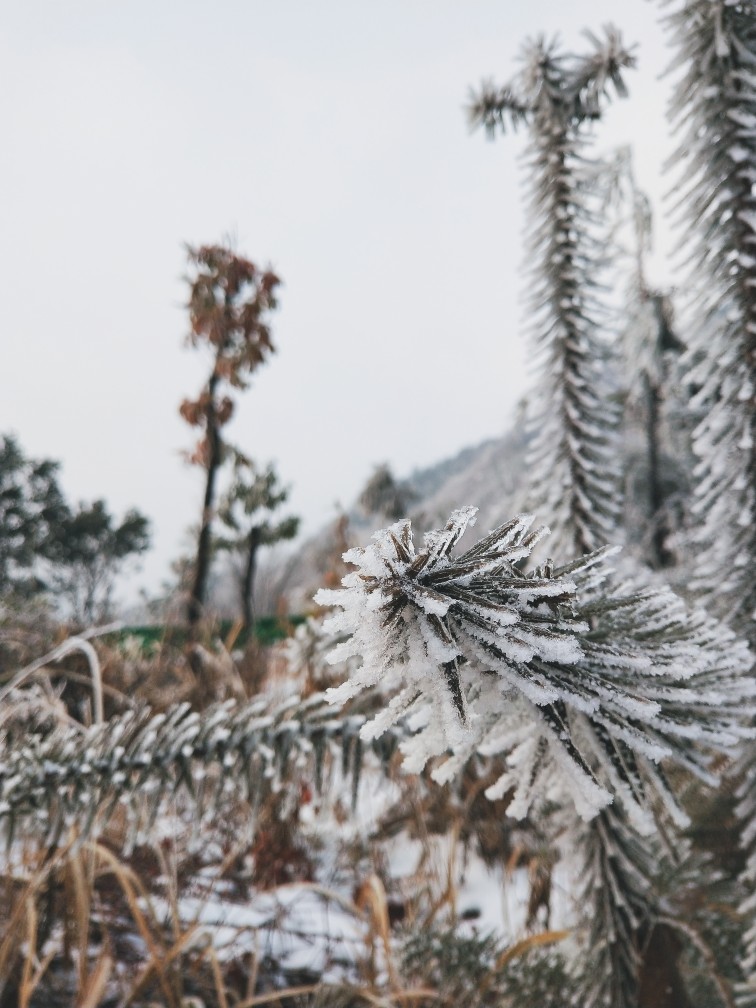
(588, 687)
(55, 775)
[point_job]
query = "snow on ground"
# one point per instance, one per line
(302, 927)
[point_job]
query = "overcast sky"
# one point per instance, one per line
(327, 139)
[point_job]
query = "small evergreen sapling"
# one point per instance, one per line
(246, 515)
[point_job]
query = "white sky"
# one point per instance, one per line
(329, 139)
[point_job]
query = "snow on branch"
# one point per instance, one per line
(584, 684)
(54, 776)
(574, 474)
(714, 109)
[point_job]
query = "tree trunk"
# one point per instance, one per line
(196, 605)
(248, 585)
(661, 985)
(661, 557)
(665, 340)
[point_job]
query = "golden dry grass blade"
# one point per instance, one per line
(97, 982)
(42, 968)
(220, 987)
(79, 883)
(513, 860)
(233, 635)
(417, 994)
(170, 875)
(127, 878)
(533, 941)
(448, 897)
(12, 936)
(254, 968)
(270, 997)
(158, 964)
(26, 988)
(130, 885)
(371, 895)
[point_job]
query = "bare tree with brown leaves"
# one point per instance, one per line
(230, 301)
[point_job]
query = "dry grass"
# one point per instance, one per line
(79, 925)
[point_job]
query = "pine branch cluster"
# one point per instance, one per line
(618, 867)
(584, 684)
(54, 776)
(590, 687)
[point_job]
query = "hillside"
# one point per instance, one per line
(486, 475)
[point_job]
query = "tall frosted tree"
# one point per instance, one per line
(714, 110)
(656, 421)
(714, 107)
(574, 473)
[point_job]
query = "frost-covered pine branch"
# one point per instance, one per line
(575, 477)
(588, 687)
(714, 108)
(55, 775)
(617, 867)
(583, 684)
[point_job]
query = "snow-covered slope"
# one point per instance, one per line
(488, 476)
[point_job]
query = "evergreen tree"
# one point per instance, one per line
(660, 489)
(31, 508)
(89, 549)
(573, 467)
(575, 474)
(246, 513)
(384, 496)
(656, 413)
